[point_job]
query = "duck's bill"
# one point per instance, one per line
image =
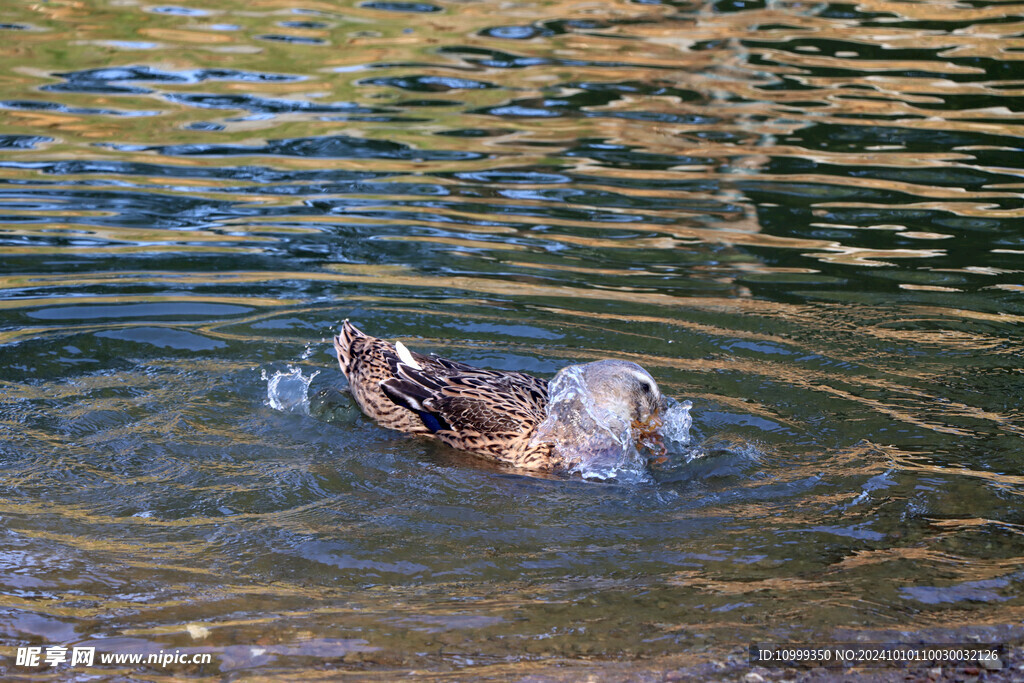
(648, 436)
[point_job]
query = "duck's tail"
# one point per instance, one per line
(343, 345)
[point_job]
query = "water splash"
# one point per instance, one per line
(594, 442)
(289, 391)
(676, 422)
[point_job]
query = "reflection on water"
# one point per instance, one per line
(805, 218)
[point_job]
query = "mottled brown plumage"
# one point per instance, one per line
(491, 413)
(487, 412)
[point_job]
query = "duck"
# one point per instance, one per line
(510, 418)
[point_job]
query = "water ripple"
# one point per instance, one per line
(803, 218)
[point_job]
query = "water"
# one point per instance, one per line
(804, 218)
(288, 391)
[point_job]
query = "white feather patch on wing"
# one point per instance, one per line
(405, 356)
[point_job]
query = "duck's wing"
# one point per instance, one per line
(487, 412)
(465, 402)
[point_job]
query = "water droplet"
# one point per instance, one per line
(289, 391)
(676, 423)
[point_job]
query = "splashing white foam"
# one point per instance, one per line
(289, 391)
(676, 423)
(595, 443)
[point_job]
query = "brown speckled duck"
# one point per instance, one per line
(494, 414)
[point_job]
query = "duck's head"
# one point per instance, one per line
(612, 397)
(624, 389)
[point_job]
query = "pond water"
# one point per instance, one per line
(807, 218)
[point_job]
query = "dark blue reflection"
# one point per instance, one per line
(162, 337)
(106, 80)
(299, 40)
(248, 174)
(516, 32)
(204, 125)
(560, 26)
(153, 310)
(262, 105)
(179, 11)
(41, 105)
(337, 147)
(623, 156)
(474, 132)
(129, 209)
(428, 83)
(843, 138)
(513, 175)
(494, 58)
(401, 6)
(303, 24)
(22, 141)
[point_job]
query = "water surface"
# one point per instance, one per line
(806, 218)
